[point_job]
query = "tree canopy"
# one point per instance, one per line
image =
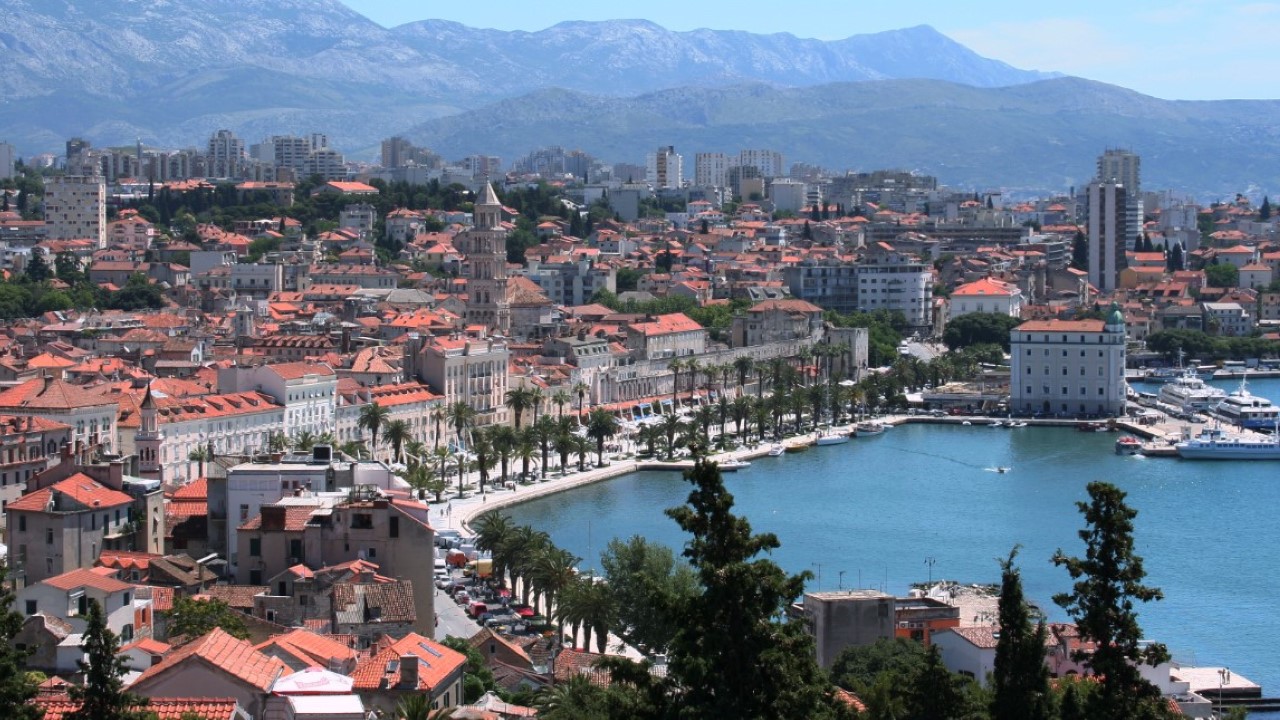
(979, 329)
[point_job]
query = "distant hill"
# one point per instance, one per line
(1042, 135)
(172, 71)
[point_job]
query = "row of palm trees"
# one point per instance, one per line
(546, 577)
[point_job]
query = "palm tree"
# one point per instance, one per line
(493, 533)
(817, 397)
(670, 426)
(649, 435)
(581, 390)
(418, 707)
(740, 409)
(561, 398)
(597, 606)
(460, 416)
(439, 460)
(526, 452)
(482, 446)
(722, 411)
(397, 433)
(582, 446)
(503, 439)
(760, 414)
(352, 448)
(601, 425)
(543, 431)
(564, 445)
(414, 451)
(743, 364)
(536, 398)
(694, 367)
(418, 477)
(567, 700)
(199, 455)
(675, 366)
(438, 416)
(277, 442)
(372, 417)
(304, 440)
(703, 417)
(551, 570)
(523, 546)
(518, 400)
(463, 465)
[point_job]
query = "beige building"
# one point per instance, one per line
(92, 417)
(464, 369)
(777, 321)
(28, 445)
(666, 336)
(1068, 367)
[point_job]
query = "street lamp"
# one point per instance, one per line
(840, 584)
(819, 566)
(930, 561)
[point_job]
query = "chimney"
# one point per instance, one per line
(273, 517)
(409, 671)
(48, 380)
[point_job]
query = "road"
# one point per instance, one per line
(925, 351)
(453, 618)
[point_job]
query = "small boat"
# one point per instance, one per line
(1128, 445)
(733, 465)
(797, 448)
(868, 429)
(1002, 470)
(1092, 427)
(1020, 423)
(966, 422)
(830, 438)
(777, 450)
(995, 424)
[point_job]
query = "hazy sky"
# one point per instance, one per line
(1175, 49)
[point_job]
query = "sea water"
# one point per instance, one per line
(872, 512)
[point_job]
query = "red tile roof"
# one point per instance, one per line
(225, 653)
(87, 578)
(435, 664)
(59, 707)
(36, 394)
(1076, 326)
(82, 489)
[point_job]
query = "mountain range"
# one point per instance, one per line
(172, 71)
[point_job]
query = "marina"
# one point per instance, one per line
(964, 495)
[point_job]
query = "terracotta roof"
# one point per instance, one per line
(295, 370)
(237, 596)
(786, 305)
(983, 636)
(86, 578)
(986, 287)
(435, 664)
(665, 324)
(1076, 326)
(85, 493)
(318, 648)
(230, 655)
(50, 394)
(356, 604)
(57, 708)
(295, 518)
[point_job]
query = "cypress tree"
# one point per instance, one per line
(103, 697)
(16, 687)
(1020, 680)
(1080, 252)
(1107, 585)
(37, 268)
(1264, 212)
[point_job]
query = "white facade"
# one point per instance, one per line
(768, 162)
(172, 428)
(75, 208)
(898, 287)
(985, 296)
(66, 597)
(664, 169)
(328, 164)
(226, 157)
(308, 392)
(788, 195)
(968, 651)
(7, 158)
(289, 151)
(1068, 367)
(711, 169)
(1108, 233)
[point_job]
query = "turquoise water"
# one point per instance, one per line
(876, 508)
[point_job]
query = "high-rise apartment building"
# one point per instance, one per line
(1107, 209)
(75, 208)
(226, 155)
(711, 170)
(664, 169)
(289, 151)
(396, 152)
(1124, 167)
(7, 158)
(768, 162)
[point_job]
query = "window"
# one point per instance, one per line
(394, 529)
(373, 553)
(255, 547)
(31, 607)
(48, 536)
(22, 523)
(244, 513)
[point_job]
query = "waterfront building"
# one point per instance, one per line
(463, 369)
(896, 282)
(1068, 367)
(75, 208)
(307, 392)
(777, 321)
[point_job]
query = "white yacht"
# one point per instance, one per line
(1246, 410)
(1189, 393)
(1215, 444)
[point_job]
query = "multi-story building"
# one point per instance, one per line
(664, 168)
(317, 531)
(985, 296)
(7, 157)
(463, 369)
(66, 597)
(1228, 318)
(788, 195)
(485, 248)
(325, 162)
(830, 283)
(307, 392)
(396, 152)
(75, 208)
(225, 158)
(572, 282)
(768, 162)
(1068, 367)
(711, 170)
(774, 321)
(1108, 233)
(291, 152)
(358, 217)
(897, 283)
(411, 402)
(91, 417)
(666, 336)
(64, 526)
(28, 445)
(1124, 167)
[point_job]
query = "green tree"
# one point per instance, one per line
(859, 666)
(372, 417)
(17, 688)
(519, 400)
(102, 696)
(935, 693)
(194, 618)
(1020, 680)
(601, 425)
(979, 328)
(37, 267)
(397, 433)
(649, 583)
(477, 677)
(1222, 275)
(1176, 259)
(1107, 584)
(1080, 251)
(730, 638)
(1264, 212)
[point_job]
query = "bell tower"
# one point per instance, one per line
(485, 246)
(149, 438)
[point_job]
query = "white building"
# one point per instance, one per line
(67, 597)
(897, 284)
(664, 169)
(75, 208)
(7, 158)
(327, 163)
(969, 651)
(225, 158)
(788, 195)
(308, 392)
(768, 162)
(985, 296)
(470, 370)
(358, 217)
(91, 417)
(711, 169)
(290, 152)
(1068, 367)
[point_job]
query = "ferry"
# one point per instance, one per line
(1215, 444)
(1244, 409)
(1189, 393)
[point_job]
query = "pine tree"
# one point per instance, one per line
(103, 697)
(37, 268)
(1080, 252)
(934, 691)
(732, 657)
(1107, 584)
(16, 687)
(1264, 212)
(1020, 680)
(1176, 258)
(807, 233)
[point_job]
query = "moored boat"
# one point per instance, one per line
(826, 437)
(733, 465)
(1217, 444)
(1246, 410)
(1128, 445)
(777, 450)
(868, 428)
